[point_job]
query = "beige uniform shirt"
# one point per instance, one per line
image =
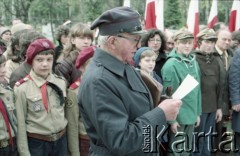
(10, 67)
(31, 112)
(7, 97)
(75, 122)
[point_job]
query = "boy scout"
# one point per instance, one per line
(40, 105)
(76, 131)
(7, 116)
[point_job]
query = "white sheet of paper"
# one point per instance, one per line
(188, 84)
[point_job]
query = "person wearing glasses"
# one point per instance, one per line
(155, 39)
(115, 103)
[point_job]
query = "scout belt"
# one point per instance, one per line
(49, 138)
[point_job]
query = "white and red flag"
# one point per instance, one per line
(213, 16)
(193, 19)
(234, 20)
(154, 14)
(127, 3)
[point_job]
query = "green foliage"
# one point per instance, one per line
(43, 11)
(92, 9)
(172, 14)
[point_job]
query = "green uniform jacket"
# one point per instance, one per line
(173, 72)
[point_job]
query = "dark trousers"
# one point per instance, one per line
(84, 146)
(44, 148)
(203, 140)
(9, 151)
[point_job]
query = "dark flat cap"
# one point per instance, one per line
(118, 20)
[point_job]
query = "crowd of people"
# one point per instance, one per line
(111, 93)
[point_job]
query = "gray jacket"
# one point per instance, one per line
(117, 107)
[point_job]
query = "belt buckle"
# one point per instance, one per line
(3, 144)
(54, 137)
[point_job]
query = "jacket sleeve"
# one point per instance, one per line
(21, 111)
(234, 79)
(72, 115)
(107, 113)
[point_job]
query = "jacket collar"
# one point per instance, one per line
(102, 57)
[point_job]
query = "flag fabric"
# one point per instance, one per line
(126, 3)
(154, 14)
(234, 22)
(159, 4)
(150, 17)
(213, 18)
(193, 19)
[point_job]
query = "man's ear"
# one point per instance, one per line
(111, 41)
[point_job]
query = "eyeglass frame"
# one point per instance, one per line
(131, 39)
(155, 41)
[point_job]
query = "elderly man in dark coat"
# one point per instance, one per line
(115, 103)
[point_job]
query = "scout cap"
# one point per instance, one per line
(36, 47)
(207, 34)
(183, 33)
(118, 20)
(84, 55)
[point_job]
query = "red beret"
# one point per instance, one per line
(36, 47)
(84, 55)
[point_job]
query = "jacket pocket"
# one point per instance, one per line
(35, 103)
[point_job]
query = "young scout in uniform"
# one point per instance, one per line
(77, 135)
(8, 122)
(180, 63)
(40, 105)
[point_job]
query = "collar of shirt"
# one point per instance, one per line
(39, 80)
(220, 52)
(109, 62)
(2, 89)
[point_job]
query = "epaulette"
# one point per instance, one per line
(75, 84)
(25, 79)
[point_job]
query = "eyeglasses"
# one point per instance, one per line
(130, 39)
(155, 40)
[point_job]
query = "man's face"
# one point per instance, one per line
(169, 44)
(224, 40)
(126, 46)
(235, 44)
(184, 46)
(42, 65)
(207, 46)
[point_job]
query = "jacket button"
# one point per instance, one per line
(99, 64)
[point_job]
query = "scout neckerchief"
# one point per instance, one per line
(4, 114)
(44, 93)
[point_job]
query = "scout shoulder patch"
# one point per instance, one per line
(69, 102)
(25, 79)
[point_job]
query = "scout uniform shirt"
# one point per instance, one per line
(75, 124)
(6, 96)
(31, 112)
